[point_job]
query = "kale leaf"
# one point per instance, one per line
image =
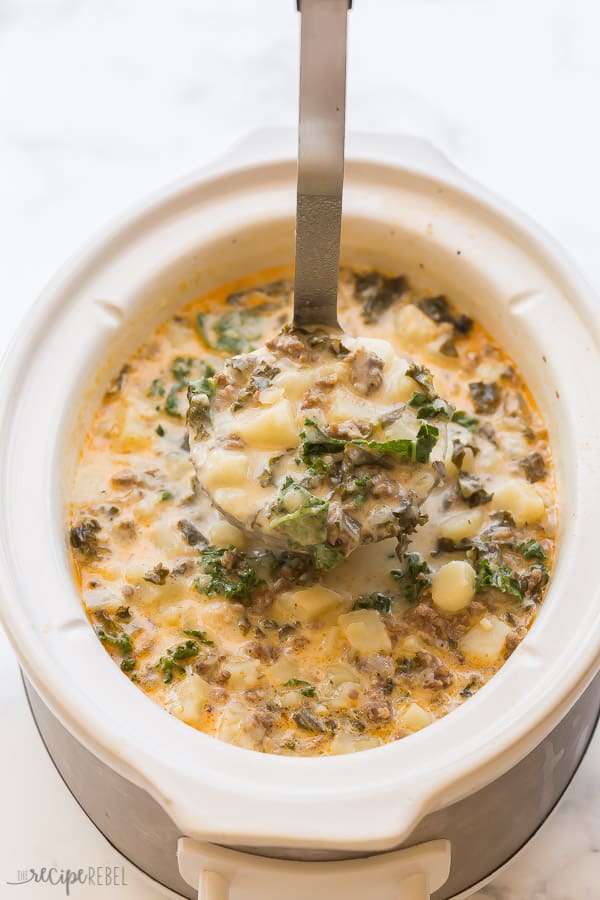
(199, 393)
(377, 293)
(413, 577)
(302, 516)
(438, 309)
(192, 535)
(234, 332)
(377, 600)
(485, 395)
(502, 579)
(531, 549)
(472, 490)
(200, 636)
(306, 688)
(316, 442)
(468, 422)
(430, 407)
(84, 538)
(169, 664)
(112, 634)
(231, 573)
(534, 466)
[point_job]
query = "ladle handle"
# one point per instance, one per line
(320, 160)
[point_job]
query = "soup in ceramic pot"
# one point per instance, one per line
(284, 651)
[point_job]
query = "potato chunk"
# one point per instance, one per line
(461, 525)
(521, 500)
(351, 743)
(414, 326)
(453, 586)
(345, 406)
(294, 382)
(414, 717)
(232, 501)
(224, 534)
(485, 641)
(345, 697)
(365, 631)
(397, 386)
(273, 428)
(311, 604)
(134, 433)
(225, 468)
(192, 696)
(244, 673)
(231, 725)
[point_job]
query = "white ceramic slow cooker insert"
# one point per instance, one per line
(406, 209)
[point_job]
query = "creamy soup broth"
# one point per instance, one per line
(257, 645)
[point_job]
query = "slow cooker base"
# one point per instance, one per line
(487, 829)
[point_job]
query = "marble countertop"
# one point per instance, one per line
(100, 102)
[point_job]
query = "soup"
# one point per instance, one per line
(260, 646)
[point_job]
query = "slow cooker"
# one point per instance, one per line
(435, 814)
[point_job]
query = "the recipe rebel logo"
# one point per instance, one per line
(92, 876)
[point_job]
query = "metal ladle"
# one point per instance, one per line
(320, 161)
(315, 315)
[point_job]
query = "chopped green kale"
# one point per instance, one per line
(199, 393)
(423, 378)
(316, 442)
(378, 601)
(115, 638)
(306, 688)
(468, 422)
(430, 407)
(157, 388)
(413, 577)
(534, 466)
(192, 535)
(486, 396)
(438, 309)
(260, 379)
(300, 516)
(327, 557)
(502, 579)
(309, 721)
(172, 402)
(448, 348)
(458, 452)
(357, 489)
(377, 292)
(531, 549)
(84, 538)
(472, 490)
(238, 331)
(169, 665)
(231, 573)
(116, 385)
(199, 635)
(188, 369)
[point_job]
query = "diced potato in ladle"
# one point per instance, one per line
(312, 442)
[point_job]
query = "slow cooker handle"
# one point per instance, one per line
(218, 873)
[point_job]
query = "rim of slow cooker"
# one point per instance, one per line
(233, 774)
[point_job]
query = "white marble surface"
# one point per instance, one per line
(103, 100)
